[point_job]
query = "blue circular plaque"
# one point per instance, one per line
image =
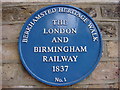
(60, 45)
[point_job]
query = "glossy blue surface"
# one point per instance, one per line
(77, 70)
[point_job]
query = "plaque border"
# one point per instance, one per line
(60, 84)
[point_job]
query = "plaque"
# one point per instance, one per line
(60, 45)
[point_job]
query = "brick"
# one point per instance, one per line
(108, 29)
(68, 87)
(105, 71)
(112, 48)
(91, 11)
(94, 86)
(104, 49)
(25, 1)
(9, 72)
(0, 53)
(110, 11)
(23, 74)
(119, 50)
(15, 72)
(104, 86)
(0, 75)
(24, 12)
(10, 52)
(11, 32)
(104, 59)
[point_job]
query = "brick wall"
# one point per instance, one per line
(106, 16)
